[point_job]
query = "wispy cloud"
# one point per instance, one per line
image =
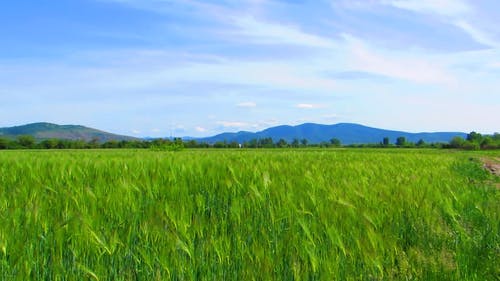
(232, 124)
(262, 32)
(267, 123)
(271, 74)
(236, 22)
(441, 7)
(414, 68)
(455, 12)
(200, 129)
(477, 34)
(309, 106)
(355, 75)
(200, 58)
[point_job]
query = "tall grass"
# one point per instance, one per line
(247, 215)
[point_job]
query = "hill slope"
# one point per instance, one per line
(44, 130)
(347, 133)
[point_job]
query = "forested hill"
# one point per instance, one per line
(42, 131)
(347, 133)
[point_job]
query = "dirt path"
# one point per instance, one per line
(492, 165)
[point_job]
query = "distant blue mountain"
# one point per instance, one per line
(347, 133)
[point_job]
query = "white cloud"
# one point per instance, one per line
(136, 132)
(247, 104)
(267, 123)
(258, 31)
(477, 34)
(309, 106)
(238, 25)
(232, 124)
(200, 129)
(440, 7)
(165, 78)
(415, 68)
(455, 12)
(293, 74)
(155, 130)
(251, 125)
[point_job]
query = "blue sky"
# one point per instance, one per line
(197, 68)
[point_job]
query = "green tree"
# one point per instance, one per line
(304, 142)
(220, 144)
(496, 137)
(267, 142)
(420, 143)
(488, 143)
(62, 144)
(282, 143)
(125, 144)
(4, 143)
(192, 144)
(234, 144)
(49, 144)
(26, 141)
(471, 145)
(253, 143)
(335, 142)
(385, 141)
(111, 144)
(93, 143)
(401, 141)
(295, 142)
(474, 137)
(76, 144)
(457, 142)
(178, 142)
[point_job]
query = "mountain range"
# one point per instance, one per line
(347, 133)
(42, 131)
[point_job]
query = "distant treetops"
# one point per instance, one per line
(473, 141)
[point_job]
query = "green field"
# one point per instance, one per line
(248, 215)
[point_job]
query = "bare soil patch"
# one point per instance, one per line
(492, 165)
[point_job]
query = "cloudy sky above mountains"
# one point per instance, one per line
(193, 67)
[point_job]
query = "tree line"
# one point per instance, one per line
(473, 141)
(476, 141)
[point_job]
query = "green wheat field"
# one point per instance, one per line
(332, 214)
